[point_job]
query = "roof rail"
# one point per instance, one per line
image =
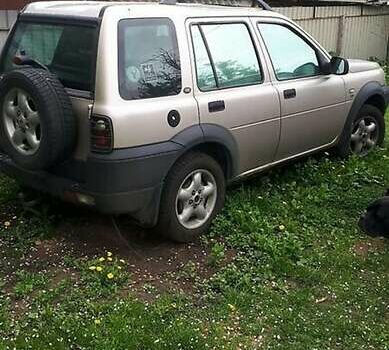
(260, 3)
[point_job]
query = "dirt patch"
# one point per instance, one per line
(364, 247)
(156, 265)
(153, 262)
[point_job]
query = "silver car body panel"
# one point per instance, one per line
(252, 113)
(267, 128)
(139, 122)
(357, 66)
(316, 115)
(82, 107)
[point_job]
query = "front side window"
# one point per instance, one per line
(149, 61)
(225, 56)
(291, 55)
(69, 51)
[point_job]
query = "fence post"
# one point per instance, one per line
(339, 40)
(7, 19)
(387, 51)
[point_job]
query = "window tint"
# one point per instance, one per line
(67, 50)
(292, 57)
(149, 63)
(232, 54)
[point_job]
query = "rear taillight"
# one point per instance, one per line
(101, 132)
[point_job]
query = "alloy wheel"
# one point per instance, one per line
(196, 199)
(364, 136)
(22, 121)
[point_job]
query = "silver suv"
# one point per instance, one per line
(151, 109)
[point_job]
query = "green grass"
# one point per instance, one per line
(290, 270)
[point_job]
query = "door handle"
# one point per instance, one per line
(289, 93)
(216, 106)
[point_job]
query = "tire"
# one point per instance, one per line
(37, 125)
(353, 134)
(183, 176)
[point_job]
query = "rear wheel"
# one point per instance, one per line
(193, 194)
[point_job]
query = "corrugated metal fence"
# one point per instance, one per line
(350, 31)
(7, 18)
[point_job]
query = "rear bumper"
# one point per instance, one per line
(125, 181)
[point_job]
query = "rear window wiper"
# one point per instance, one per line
(23, 60)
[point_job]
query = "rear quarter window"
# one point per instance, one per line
(149, 61)
(69, 51)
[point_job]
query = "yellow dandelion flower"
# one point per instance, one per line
(92, 268)
(122, 261)
(109, 259)
(97, 321)
(281, 227)
(99, 268)
(232, 307)
(110, 275)
(109, 254)
(119, 267)
(7, 224)
(102, 259)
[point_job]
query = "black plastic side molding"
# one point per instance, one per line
(368, 90)
(210, 133)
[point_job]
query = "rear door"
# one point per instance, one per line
(68, 48)
(312, 104)
(233, 89)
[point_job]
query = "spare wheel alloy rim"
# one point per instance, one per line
(22, 121)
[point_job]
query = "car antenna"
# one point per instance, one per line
(262, 4)
(168, 2)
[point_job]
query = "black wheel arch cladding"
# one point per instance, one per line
(365, 93)
(368, 91)
(203, 134)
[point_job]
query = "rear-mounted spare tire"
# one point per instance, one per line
(37, 124)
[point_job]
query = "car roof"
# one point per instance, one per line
(93, 9)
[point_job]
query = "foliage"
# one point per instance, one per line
(218, 254)
(28, 282)
(105, 273)
(290, 270)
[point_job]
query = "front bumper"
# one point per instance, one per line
(386, 95)
(125, 181)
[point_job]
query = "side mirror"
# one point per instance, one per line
(339, 66)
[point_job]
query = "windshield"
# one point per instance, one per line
(69, 51)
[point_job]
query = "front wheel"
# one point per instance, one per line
(366, 131)
(193, 194)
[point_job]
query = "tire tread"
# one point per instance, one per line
(56, 114)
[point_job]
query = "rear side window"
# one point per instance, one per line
(149, 61)
(225, 56)
(69, 51)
